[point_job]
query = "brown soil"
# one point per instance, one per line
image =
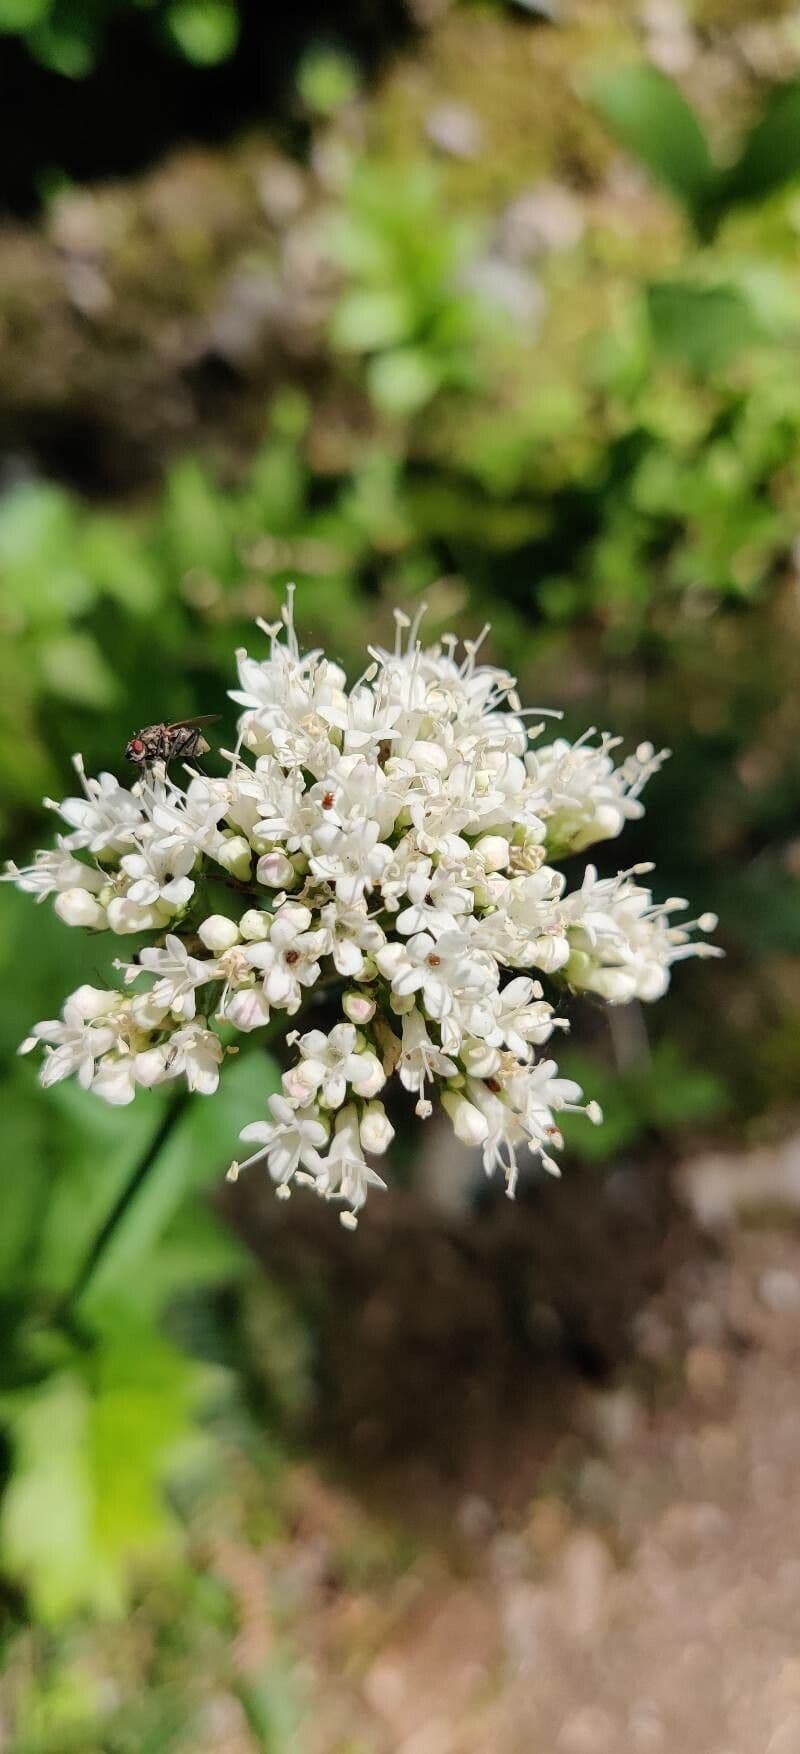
(581, 1423)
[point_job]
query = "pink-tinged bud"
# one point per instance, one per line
(76, 907)
(358, 1008)
(275, 871)
(218, 934)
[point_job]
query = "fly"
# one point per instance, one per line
(166, 743)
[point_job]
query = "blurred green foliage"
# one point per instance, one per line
(66, 36)
(652, 118)
(597, 447)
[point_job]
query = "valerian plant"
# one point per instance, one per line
(394, 846)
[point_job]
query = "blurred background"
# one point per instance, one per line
(496, 304)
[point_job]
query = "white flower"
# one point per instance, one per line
(178, 976)
(439, 968)
(196, 1054)
(622, 945)
(192, 1052)
(289, 959)
(290, 1139)
(77, 1039)
(115, 1079)
(589, 798)
(159, 873)
(421, 1061)
(352, 936)
(53, 872)
(77, 907)
(329, 1063)
(523, 1017)
(344, 1175)
(105, 820)
(188, 821)
(354, 863)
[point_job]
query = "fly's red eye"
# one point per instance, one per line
(136, 746)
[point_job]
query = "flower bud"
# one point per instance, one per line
(218, 934)
(469, 1125)
(376, 1129)
(248, 1009)
(369, 1076)
(125, 916)
(358, 1007)
(300, 1082)
(254, 925)
(235, 855)
(150, 1067)
(552, 952)
(493, 851)
(76, 907)
(91, 1002)
(275, 871)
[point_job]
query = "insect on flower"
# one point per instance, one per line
(168, 743)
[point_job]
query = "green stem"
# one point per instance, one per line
(108, 1230)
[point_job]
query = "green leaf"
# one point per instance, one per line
(649, 117)
(771, 153)
(45, 1518)
(194, 1153)
(92, 1153)
(206, 31)
(705, 326)
(77, 1510)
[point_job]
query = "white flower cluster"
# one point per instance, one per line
(387, 851)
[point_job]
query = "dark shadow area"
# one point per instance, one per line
(449, 1352)
(141, 98)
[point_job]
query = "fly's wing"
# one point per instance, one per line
(194, 724)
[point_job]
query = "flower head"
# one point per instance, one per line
(394, 848)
